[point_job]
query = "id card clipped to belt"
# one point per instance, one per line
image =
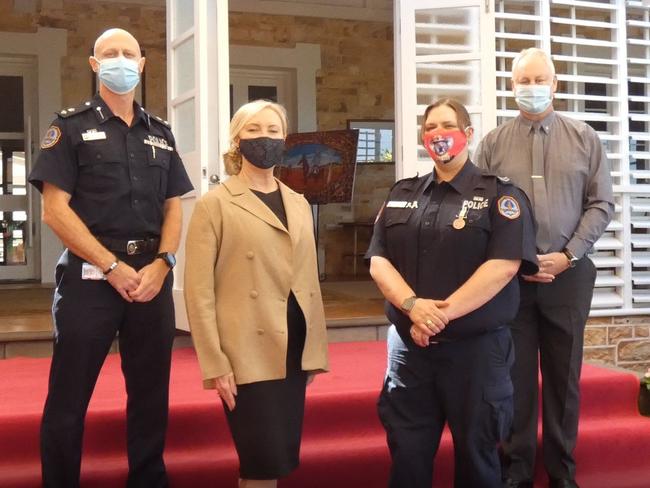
(91, 272)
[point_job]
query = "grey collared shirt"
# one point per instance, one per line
(578, 181)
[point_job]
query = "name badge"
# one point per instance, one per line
(93, 135)
(401, 204)
(158, 142)
(91, 272)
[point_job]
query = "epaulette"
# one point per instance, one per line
(155, 118)
(69, 112)
(502, 179)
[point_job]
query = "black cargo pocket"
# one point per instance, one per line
(499, 399)
(158, 161)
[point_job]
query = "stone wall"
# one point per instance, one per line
(84, 20)
(619, 341)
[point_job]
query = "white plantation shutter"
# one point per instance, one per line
(444, 48)
(601, 49)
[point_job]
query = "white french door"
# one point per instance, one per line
(443, 48)
(198, 102)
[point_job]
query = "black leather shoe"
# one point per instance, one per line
(510, 483)
(563, 484)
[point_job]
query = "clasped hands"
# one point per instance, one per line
(428, 319)
(550, 265)
(138, 286)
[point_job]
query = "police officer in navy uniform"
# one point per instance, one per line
(445, 249)
(111, 180)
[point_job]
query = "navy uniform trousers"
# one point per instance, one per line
(465, 384)
(551, 320)
(87, 316)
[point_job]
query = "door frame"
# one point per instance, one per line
(47, 46)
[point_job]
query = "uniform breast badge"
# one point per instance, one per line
(459, 222)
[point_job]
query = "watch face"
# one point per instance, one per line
(408, 304)
(171, 260)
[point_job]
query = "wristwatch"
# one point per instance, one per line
(572, 259)
(169, 258)
(407, 305)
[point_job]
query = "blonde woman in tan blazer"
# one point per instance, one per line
(253, 297)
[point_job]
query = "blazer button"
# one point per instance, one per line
(250, 254)
(253, 294)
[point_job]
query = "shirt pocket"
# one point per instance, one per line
(397, 216)
(101, 165)
(158, 162)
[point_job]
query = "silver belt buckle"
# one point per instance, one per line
(131, 247)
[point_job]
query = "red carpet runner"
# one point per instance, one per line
(343, 447)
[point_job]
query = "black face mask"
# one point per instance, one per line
(262, 152)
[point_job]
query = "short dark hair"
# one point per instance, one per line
(462, 116)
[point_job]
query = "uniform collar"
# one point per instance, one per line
(527, 125)
(465, 180)
(104, 113)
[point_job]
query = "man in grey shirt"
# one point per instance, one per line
(560, 163)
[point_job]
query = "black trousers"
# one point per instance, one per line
(87, 316)
(465, 384)
(551, 321)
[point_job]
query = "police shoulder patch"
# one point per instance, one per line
(52, 136)
(509, 207)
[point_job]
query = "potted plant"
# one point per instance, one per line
(644, 394)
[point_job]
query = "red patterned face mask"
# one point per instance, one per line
(444, 145)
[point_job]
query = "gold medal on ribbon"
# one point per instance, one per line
(458, 223)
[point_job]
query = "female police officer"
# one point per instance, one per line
(444, 252)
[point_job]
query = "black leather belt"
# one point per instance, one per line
(135, 246)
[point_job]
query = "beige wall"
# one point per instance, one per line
(84, 20)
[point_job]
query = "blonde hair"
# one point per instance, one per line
(534, 52)
(232, 158)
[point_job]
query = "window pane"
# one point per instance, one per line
(184, 70)
(184, 10)
(185, 132)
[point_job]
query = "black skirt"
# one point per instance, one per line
(266, 424)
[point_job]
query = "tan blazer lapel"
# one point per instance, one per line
(293, 209)
(246, 199)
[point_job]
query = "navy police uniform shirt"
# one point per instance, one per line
(118, 176)
(437, 234)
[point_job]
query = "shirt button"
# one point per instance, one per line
(135, 178)
(135, 202)
(253, 294)
(260, 331)
(132, 155)
(250, 254)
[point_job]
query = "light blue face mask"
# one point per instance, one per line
(533, 99)
(119, 75)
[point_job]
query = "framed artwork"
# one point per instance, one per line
(321, 165)
(376, 140)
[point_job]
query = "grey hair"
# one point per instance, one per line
(536, 52)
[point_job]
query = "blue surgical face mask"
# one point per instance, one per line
(533, 99)
(119, 75)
